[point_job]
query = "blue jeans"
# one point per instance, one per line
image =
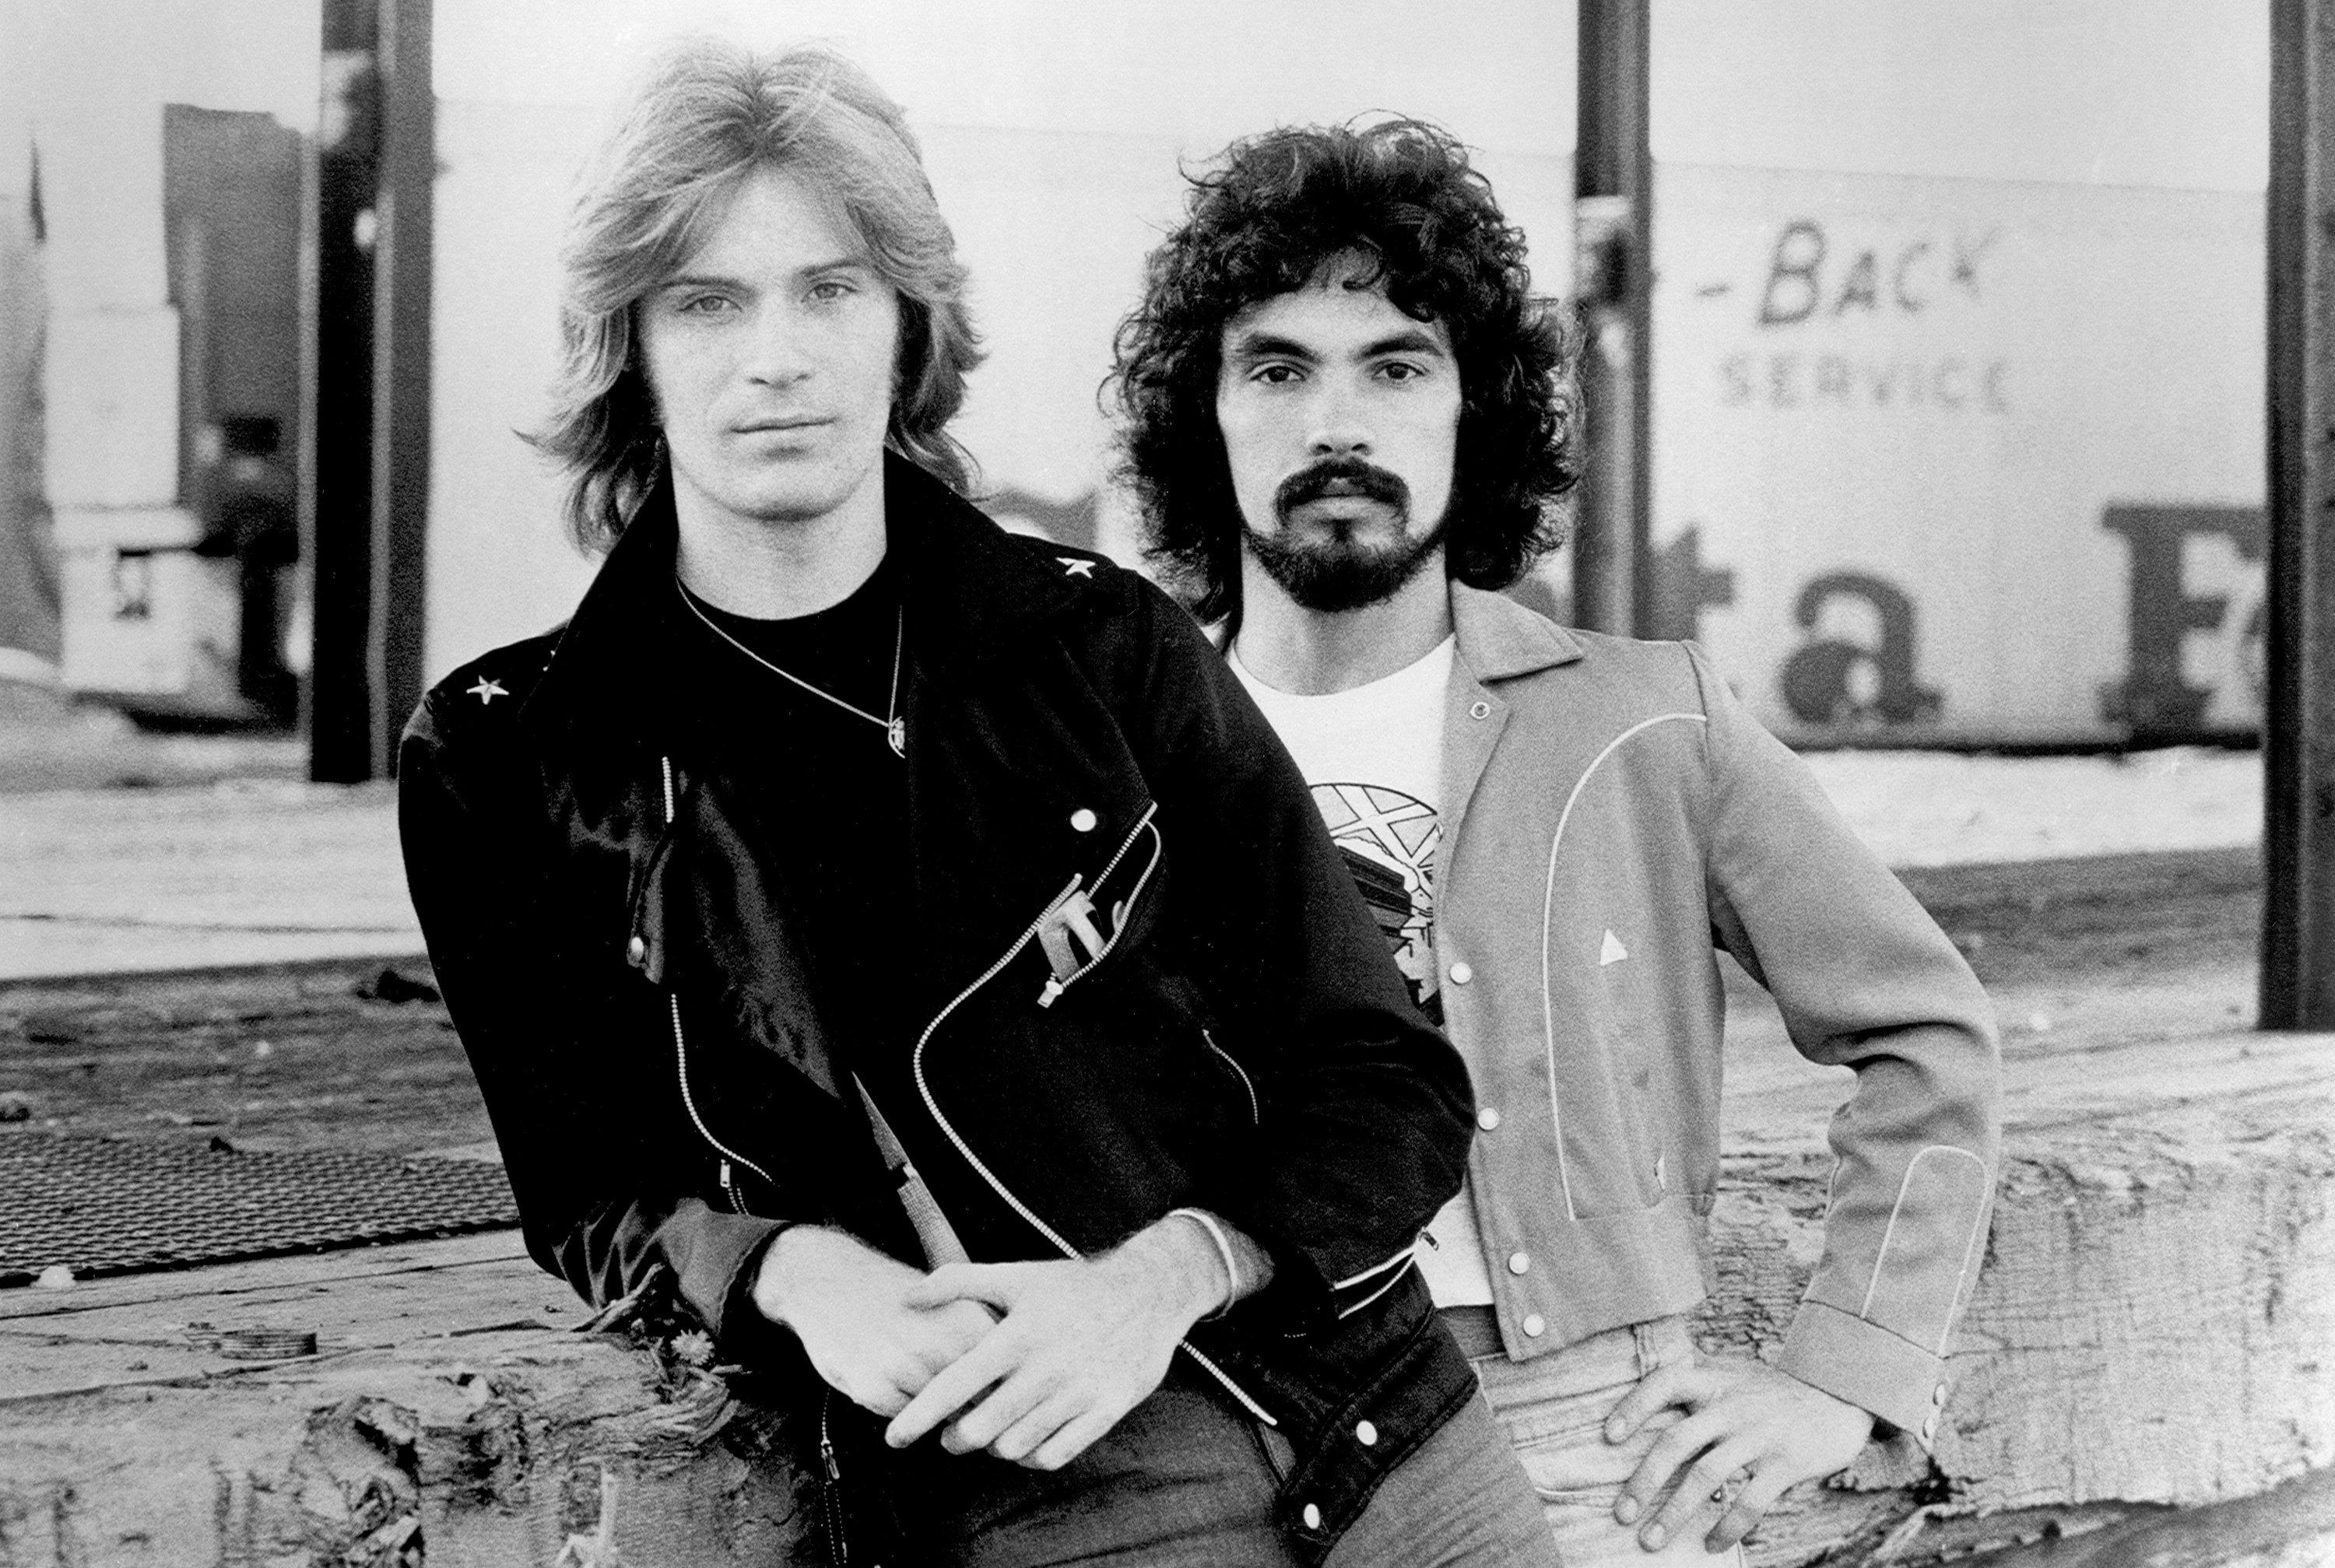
(1554, 1408)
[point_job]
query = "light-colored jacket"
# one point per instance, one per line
(1613, 816)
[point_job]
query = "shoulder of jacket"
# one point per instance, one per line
(1639, 670)
(483, 697)
(1089, 571)
(1106, 599)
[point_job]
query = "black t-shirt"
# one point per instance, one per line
(831, 796)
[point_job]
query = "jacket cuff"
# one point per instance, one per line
(714, 1259)
(1869, 1367)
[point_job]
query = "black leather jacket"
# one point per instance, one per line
(576, 811)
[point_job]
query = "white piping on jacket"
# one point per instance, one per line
(1393, 1261)
(1409, 1259)
(1880, 1258)
(1970, 1251)
(1547, 906)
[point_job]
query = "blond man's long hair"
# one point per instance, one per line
(707, 117)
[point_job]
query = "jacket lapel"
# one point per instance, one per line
(1499, 640)
(621, 690)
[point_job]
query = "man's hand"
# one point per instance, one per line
(848, 1305)
(1081, 1344)
(1741, 1416)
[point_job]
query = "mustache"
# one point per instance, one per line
(1344, 477)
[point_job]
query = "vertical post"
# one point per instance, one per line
(1612, 186)
(375, 168)
(2298, 953)
(340, 697)
(400, 400)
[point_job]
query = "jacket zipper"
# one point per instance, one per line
(1053, 989)
(838, 1544)
(1255, 1116)
(730, 1157)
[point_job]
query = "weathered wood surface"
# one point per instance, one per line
(2155, 1326)
(2147, 1374)
(2155, 1319)
(445, 1420)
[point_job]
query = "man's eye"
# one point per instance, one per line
(1274, 374)
(1396, 371)
(702, 304)
(832, 289)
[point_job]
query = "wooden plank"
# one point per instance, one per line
(2291, 1526)
(2156, 1317)
(314, 1271)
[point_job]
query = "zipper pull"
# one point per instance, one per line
(1052, 990)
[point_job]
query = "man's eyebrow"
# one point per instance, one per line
(1268, 346)
(1254, 345)
(1413, 340)
(725, 280)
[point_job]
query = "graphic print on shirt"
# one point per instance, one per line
(1389, 839)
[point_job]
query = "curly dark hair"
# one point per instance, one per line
(1265, 221)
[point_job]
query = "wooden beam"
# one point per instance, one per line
(2298, 945)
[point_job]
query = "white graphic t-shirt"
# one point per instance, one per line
(1374, 757)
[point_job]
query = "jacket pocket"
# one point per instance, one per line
(1085, 926)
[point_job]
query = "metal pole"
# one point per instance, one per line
(340, 696)
(400, 400)
(376, 164)
(1612, 186)
(2297, 951)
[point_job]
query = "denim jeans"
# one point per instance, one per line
(1554, 1408)
(1184, 1481)
(1181, 1482)
(1458, 1500)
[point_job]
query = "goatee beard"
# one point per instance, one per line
(1338, 574)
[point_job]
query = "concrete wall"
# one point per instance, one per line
(28, 580)
(86, 85)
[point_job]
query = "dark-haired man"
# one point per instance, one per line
(851, 891)
(1347, 419)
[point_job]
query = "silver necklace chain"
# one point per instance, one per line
(894, 728)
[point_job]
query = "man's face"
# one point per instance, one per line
(770, 356)
(1341, 420)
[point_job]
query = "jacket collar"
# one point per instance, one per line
(1499, 638)
(965, 590)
